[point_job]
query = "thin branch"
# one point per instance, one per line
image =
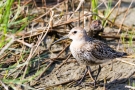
(125, 61)
(130, 87)
(27, 44)
(7, 45)
(125, 16)
(64, 61)
(5, 86)
(44, 70)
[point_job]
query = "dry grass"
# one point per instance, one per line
(26, 54)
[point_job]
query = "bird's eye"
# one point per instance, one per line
(75, 32)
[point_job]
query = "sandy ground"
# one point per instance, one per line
(115, 75)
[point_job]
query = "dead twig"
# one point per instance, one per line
(52, 60)
(116, 36)
(113, 9)
(62, 83)
(124, 27)
(33, 50)
(48, 11)
(7, 45)
(64, 61)
(130, 87)
(117, 13)
(44, 70)
(27, 44)
(27, 63)
(5, 86)
(125, 16)
(125, 61)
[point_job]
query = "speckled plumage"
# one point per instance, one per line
(90, 51)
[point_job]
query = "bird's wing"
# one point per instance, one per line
(102, 51)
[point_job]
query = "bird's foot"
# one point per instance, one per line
(78, 83)
(92, 84)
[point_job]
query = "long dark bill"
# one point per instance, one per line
(63, 38)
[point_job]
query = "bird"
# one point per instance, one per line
(95, 29)
(89, 51)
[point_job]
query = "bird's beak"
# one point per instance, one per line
(63, 38)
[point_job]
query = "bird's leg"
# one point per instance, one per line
(111, 65)
(99, 69)
(90, 74)
(86, 70)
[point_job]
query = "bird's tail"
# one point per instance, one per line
(121, 54)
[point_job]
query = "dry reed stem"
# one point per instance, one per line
(125, 16)
(27, 63)
(118, 25)
(7, 45)
(42, 37)
(4, 55)
(117, 12)
(130, 87)
(78, 7)
(47, 11)
(62, 51)
(116, 36)
(33, 50)
(66, 23)
(44, 70)
(112, 9)
(24, 43)
(52, 62)
(4, 85)
(63, 62)
(119, 59)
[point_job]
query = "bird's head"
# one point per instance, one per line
(77, 33)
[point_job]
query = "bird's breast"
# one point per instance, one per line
(83, 54)
(76, 50)
(79, 53)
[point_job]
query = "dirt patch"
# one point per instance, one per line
(116, 79)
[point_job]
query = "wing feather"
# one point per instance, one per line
(102, 51)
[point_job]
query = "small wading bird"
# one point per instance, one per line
(89, 51)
